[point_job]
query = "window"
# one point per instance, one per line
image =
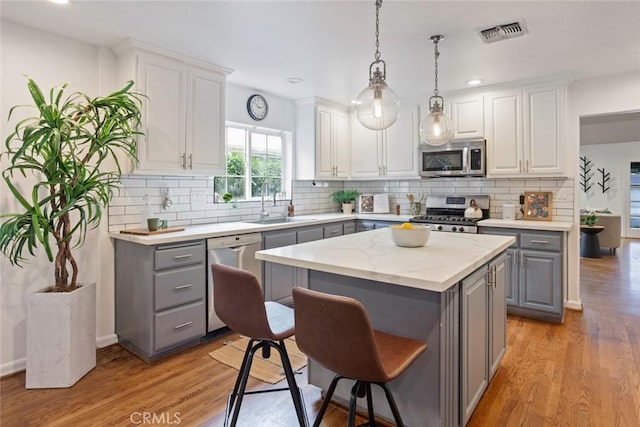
(258, 162)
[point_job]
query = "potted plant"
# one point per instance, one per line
(590, 220)
(346, 199)
(69, 156)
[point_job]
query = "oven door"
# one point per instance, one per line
(444, 162)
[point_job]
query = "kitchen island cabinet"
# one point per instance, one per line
(416, 292)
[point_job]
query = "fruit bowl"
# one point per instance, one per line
(409, 235)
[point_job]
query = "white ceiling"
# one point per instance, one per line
(330, 44)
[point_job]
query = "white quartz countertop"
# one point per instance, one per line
(204, 231)
(527, 224)
(446, 258)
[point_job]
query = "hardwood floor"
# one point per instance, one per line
(585, 372)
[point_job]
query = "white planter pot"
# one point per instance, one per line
(347, 208)
(61, 337)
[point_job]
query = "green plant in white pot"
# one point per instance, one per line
(345, 198)
(72, 152)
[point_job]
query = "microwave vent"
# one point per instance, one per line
(503, 31)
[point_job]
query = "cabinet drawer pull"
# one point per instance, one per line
(183, 325)
(334, 231)
(182, 256)
(190, 161)
(542, 242)
(185, 286)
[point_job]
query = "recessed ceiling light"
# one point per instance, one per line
(295, 80)
(59, 1)
(474, 82)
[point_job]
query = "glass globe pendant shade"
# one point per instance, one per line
(435, 126)
(377, 106)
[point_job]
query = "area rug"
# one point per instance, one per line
(267, 370)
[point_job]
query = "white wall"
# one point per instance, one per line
(614, 158)
(50, 61)
(282, 112)
(609, 94)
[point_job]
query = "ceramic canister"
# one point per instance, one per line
(508, 211)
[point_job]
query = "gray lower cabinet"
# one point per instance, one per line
(280, 279)
(366, 224)
(160, 296)
(483, 331)
(535, 272)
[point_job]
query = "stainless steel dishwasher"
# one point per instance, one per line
(236, 251)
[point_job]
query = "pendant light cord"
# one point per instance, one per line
(378, 6)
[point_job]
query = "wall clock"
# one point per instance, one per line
(257, 107)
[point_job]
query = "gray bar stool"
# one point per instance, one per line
(336, 332)
(239, 303)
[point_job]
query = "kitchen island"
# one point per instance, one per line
(449, 294)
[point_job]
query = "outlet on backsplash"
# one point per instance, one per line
(198, 198)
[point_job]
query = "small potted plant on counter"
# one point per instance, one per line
(346, 199)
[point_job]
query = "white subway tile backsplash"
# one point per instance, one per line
(124, 210)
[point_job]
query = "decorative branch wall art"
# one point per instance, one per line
(604, 179)
(585, 173)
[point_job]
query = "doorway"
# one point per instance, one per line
(631, 215)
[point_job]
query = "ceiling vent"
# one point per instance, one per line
(504, 31)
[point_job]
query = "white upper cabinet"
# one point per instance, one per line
(322, 148)
(389, 153)
(467, 116)
(182, 114)
(524, 129)
(544, 133)
(503, 132)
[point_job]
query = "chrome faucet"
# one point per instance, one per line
(263, 213)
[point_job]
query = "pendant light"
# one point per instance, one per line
(377, 105)
(435, 128)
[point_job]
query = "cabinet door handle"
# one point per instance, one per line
(542, 242)
(384, 170)
(521, 258)
(182, 256)
(191, 161)
(185, 286)
(495, 276)
(526, 166)
(184, 160)
(489, 271)
(182, 325)
(520, 165)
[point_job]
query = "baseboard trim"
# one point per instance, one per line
(18, 365)
(106, 340)
(573, 305)
(13, 367)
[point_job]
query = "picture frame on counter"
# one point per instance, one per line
(538, 205)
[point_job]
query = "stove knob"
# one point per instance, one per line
(439, 228)
(454, 228)
(461, 229)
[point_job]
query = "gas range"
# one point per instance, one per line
(446, 213)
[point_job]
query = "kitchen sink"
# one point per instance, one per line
(280, 220)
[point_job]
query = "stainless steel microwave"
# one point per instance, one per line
(455, 158)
